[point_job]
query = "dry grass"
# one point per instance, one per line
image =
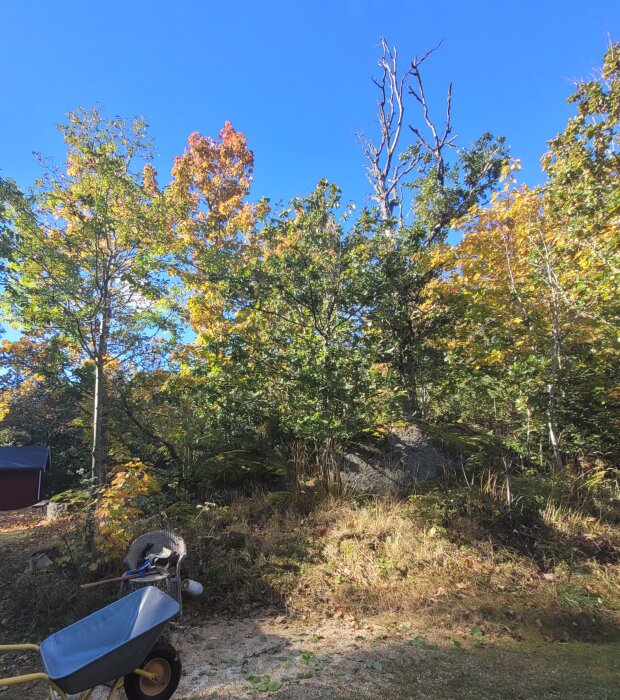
(446, 559)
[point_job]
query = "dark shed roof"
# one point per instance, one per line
(24, 458)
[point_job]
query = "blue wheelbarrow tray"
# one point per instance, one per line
(108, 644)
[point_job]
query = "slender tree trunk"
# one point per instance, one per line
(95, 472)
(553, 437)
(328, 460)
(556, 364)
(299, 463)
(409, 374)
(528, 434)
(99, 451)
(556, 356)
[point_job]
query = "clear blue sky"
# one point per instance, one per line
(295, 76)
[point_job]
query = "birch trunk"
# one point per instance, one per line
(98, 452)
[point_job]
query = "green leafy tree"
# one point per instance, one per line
(534, 293)
(85, 266)
(12, 201)
(303, 314)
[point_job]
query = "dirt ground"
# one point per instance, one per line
(338, 659)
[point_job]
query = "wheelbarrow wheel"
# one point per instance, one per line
(163, 660)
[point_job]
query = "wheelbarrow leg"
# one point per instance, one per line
(55, 693)
(115, 688)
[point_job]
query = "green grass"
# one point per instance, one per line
(511, 670)
(7, 538)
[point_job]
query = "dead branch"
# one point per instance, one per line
(437, 144)
(387, 166)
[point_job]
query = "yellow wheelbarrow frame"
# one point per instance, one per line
(53, 691)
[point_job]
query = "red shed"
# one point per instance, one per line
(21, 469)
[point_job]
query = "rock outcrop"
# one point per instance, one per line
(406, 454)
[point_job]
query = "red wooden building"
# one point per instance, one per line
(21, 469)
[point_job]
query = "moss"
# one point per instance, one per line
(457, 440)
(462, 440)
(181, 513)
(72, 499)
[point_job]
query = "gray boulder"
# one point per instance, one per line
(406, 455)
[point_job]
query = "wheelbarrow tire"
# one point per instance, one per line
(164, 660)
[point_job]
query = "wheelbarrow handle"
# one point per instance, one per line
(146, 568)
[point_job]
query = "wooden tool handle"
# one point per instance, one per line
(93, 584)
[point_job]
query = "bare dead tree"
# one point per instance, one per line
(386, 167)
(387, 164)
(436, 144)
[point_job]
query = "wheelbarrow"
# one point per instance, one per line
(114, 646)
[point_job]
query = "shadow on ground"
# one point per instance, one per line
(334, 660)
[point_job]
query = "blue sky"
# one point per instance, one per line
(295, 76)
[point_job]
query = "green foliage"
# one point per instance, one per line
(303, 319)
(313, 324)
(533, 295)
(236, 468)
(39, 405)
(85, 265)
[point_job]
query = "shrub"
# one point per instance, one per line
(120, 505)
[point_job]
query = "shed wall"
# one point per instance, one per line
(19, 488)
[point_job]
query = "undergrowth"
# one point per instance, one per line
(449, 555)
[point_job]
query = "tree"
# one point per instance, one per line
(510, 313)
(583, 200)
(535, 285)
(210, 221)
(212, 227)
(419, 192)
(532, 354)
(12, 200)
(40, 405)
(85, 267)
(301, 319)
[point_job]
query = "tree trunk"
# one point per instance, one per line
(99, 452)
(556, 356)
(299, 464)
(408, 374)
(551, 412)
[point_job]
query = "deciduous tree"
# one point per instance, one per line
(85, 267)
(420, 184)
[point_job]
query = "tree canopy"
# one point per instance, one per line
(168, 323)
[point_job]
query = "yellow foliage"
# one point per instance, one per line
(119, 506)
